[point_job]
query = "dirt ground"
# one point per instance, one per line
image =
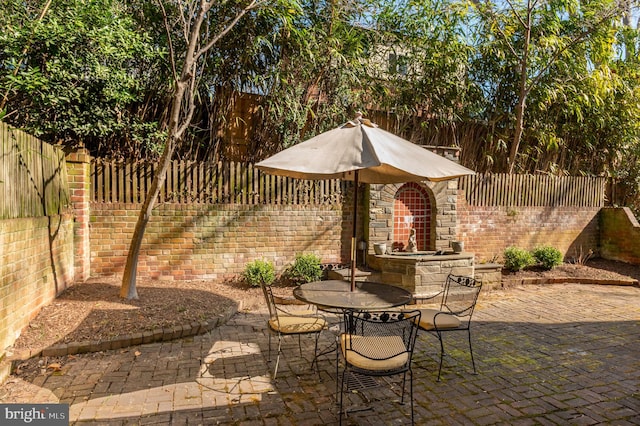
(94, 310)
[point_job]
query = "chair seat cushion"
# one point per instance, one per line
(428, 318)
(383, 352)
(290, 324)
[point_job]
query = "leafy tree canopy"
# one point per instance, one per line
(438, 72)
(75, 71)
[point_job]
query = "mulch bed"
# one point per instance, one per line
(94, 311)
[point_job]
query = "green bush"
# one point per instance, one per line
(516, 259)
(259, 271)
(548, 257)
(305, 268)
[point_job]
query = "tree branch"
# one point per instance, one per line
(169, 40)
(253, 5)
(493, 18)
(517, 15)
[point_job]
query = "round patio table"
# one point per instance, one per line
(337, 294)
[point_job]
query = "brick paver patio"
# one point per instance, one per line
(546, 355)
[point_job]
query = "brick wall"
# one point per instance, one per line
(37, 264)
(620, 235)
(487, 231)
(214, 241)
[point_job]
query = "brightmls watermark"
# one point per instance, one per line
(34, 414)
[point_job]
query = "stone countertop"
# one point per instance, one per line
(426, 256)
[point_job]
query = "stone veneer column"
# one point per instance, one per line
(79, 176)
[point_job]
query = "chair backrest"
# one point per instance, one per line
(460, 295)
(269, 298)
(378, 327)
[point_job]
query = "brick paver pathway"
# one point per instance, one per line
(546, 355)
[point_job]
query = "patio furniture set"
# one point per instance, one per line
(378, 327)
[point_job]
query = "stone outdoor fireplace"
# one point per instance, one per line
(430, 209)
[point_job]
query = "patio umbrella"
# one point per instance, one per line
(361, 152)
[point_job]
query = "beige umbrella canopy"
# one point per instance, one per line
(361, 152)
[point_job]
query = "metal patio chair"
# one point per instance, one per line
(285, 320)
(378, 344)
(456, 308)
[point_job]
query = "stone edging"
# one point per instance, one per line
(567, 280)
(119, 342)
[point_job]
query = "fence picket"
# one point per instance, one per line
(4, 199)
(122, 193)
(33, 176)
(241, 183)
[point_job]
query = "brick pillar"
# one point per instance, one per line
(79, 175)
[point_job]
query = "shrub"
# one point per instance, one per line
(516, 259)
(305, 268)
(548, 257)
(259, 271)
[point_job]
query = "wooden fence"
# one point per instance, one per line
(208, 183)
(533, 190)
(241, 183)
(33, 176)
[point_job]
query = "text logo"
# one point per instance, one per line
(34, 414)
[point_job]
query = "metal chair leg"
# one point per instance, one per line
(315, 354)
(473, 363)
(441, 355)
(411, 395)
(275, 372)
(404, 383)
(337, 371)
(342, 394)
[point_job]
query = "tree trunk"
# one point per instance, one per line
(522, 95)
(128, 288)
(517, 134)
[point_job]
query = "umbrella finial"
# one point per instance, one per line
(364, 121)
(357, 121)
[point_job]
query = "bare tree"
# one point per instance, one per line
(198, 41)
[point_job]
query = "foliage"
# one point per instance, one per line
(305, 268)
(315, 82)
(75, 74)
(581, 257)
(516, 259)
(438, 72)
(531, 52)
(420, 62)
(259, 272)
(548, 257)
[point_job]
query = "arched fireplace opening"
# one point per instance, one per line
(412, 209)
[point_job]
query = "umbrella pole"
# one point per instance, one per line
(353, 234)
